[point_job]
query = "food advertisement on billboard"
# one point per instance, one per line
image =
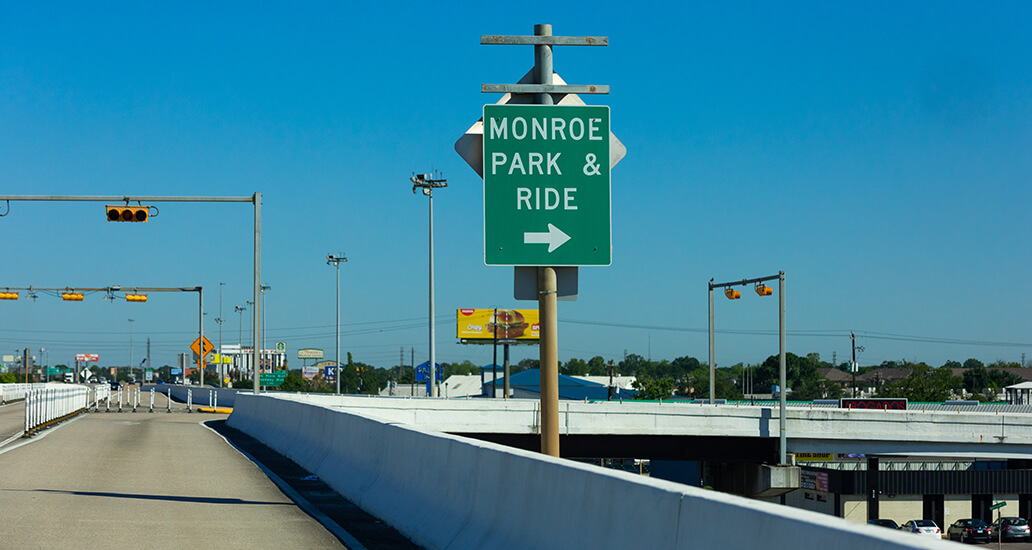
(507, 324)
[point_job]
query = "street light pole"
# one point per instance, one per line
(254, 338)
(427, 184)
(131, 321)
(335, 261)
(264, 288)
(220, 321)
(240, 337)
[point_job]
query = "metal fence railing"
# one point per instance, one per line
(14, 392)
(45, 405)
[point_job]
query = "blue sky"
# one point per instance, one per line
(876, 152)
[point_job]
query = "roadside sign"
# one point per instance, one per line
(274, 378)
(470, 146)
(281, 347)
(547, 185)
(998, 505)
(309, 353)
(196, 346)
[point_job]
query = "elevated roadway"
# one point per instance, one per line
(702, 431)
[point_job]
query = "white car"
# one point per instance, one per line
(924, 527)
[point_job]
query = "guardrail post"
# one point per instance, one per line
(189, 400)
(134, 398)
(151, 400)
(216, 399)
(168, 398)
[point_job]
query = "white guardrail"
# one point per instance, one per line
(445, 491)
(14, 392)
(50, 403)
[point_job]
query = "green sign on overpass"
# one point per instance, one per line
(547, 185)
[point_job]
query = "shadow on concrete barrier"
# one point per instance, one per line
(444, 491)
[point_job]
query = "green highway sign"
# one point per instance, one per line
(998, 505)
(546, 185)
(275, 378)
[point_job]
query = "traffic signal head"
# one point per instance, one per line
(764, 290)
(72, 296)
(8, 295)
(732, 294)
(135, 297)
(126, 213)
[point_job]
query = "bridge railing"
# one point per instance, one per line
(46, 405)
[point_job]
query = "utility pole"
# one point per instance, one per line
(853, 366)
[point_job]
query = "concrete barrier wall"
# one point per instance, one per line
(445, 491)
(226, 396)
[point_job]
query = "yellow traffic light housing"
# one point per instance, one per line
(126, 213)
(8, 295)
(135, 297)
(732, 294)
(763, 290)
(72, 296)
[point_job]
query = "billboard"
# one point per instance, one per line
(309, 353)
(891, 403)
(508, 324)
(87, 357)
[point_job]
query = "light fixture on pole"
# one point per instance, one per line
(428, 184)
(336, 261)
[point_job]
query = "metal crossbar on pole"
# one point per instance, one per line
(255, 199)
(782, 376)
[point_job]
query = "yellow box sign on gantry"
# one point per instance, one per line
(508, 324)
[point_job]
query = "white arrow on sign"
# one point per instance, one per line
(554, 238)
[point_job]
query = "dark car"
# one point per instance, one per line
(1012, 528)
(969, 530)
(115, 384)
(884, 523)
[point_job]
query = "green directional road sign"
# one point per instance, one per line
(275, 378)
(546, 185)
(998, 505)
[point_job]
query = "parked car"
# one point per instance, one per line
(884, 523)
(925, 527)
(1012, 528)
(968, 530)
